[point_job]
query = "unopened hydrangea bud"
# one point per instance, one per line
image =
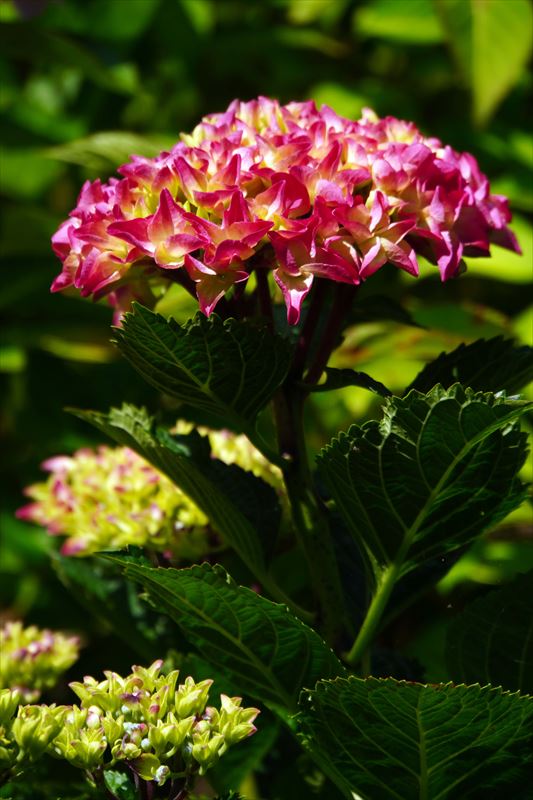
(32, 659)
(207, 749)
(191, 697)
(34, 728)
(234, 722)
(9, 701)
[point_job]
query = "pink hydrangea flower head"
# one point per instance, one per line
(316, 194)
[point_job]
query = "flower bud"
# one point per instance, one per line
(191, 697)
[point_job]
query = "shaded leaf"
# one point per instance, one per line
(265, 650)
(27, 42)
(379, 308)
(238, 505)
(98, 588)
(230, 368)
(380, 739)
(340, 378)
(491, 641)
(492, 42)
(488, 365)
(434, 473)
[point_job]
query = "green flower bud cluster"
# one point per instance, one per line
(109, 498)
(147, 721)
(32, 659)
(24, 736)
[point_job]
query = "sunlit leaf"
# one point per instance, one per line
(340, 378)
(434, 473)
(230, 368)
(105, 150)
(409, 21)
(492, 41)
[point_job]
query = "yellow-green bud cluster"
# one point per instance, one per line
(109, 498)
(146, 720)
(150, 721)
(32, 659)
(26, 732)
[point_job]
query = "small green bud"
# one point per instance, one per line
(206, 749)
(9, 700)
(33, 730)
(190, 697)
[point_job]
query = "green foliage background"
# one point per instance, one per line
(86, 83)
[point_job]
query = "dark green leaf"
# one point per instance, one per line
(488, 365)
(265, 650)
(230, 368)
(384, 740)
(491, 641)
(378, 308)
(26, 42)
(238, 505)
(340, 378)
(434, 473)
(98, 588)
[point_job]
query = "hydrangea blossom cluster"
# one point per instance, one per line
(146, 721)
(32, 659)
(111, 498)
(317, 194)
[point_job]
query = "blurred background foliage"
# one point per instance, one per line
(86, 83)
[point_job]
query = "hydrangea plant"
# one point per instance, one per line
(272, 216)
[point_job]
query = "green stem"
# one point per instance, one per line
(309, 515)
(372, 620)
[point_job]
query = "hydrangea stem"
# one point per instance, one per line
(342, 301)
(309, 516)
(374, 615)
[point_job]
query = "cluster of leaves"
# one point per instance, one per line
(438, 469)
